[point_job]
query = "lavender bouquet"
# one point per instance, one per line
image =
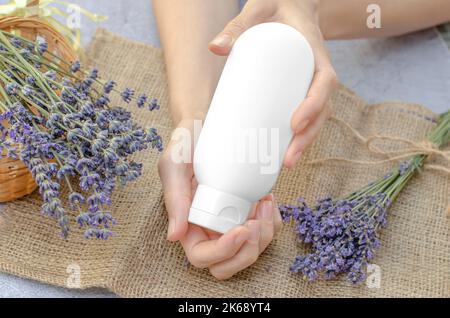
(58, 119)
(345, 233)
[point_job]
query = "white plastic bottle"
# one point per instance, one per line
(246, 133)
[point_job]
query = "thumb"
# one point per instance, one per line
(222, 43)
(176, 179)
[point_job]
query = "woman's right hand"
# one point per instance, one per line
(303, 15)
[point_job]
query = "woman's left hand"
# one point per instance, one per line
(312, 114)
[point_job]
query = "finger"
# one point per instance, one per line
(251, 215)
(253, 210)
(176, 179)
(265, 216)
(323, 85)
(276, 215)
(249, 16)
(194, 186)
(302, 140)
(277, 220)
(222, 44)
(247, 255)
(203, 252)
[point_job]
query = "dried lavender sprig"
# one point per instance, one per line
(344, 233)
(75, 67)
(65, 128)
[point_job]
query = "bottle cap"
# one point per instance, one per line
(217, 210)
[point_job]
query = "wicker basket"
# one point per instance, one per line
(15, 179)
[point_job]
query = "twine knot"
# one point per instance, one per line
(424, 147)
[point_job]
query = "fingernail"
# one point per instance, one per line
(222, 40)
(303, 124)
(267, 210)
(241, 238)
(254, 232)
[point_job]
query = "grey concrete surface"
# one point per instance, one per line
(413, 68)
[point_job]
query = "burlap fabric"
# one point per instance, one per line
(415, 254)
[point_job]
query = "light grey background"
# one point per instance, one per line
(413, 68)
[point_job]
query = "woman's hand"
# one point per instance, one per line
(224, 255)
(303, 15)
(193, 75)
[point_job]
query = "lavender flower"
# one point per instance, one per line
(109, 86)
(65, 130)
(25, 53)
(142, 100)
(30, 80)
(93, 74)
(127, 95)
(9, 74)
(27, 90)
(76, 198)
(75, 67)
(344, 234)
(102, 234)
(41, 45)
(102, 101)
(154, 105)
(16, 42)
(404, 166)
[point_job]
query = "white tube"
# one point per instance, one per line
(246, 133)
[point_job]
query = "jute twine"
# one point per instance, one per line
(425, 147)
(414, 148)
(414, 259)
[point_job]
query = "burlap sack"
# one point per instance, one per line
(414, 259)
